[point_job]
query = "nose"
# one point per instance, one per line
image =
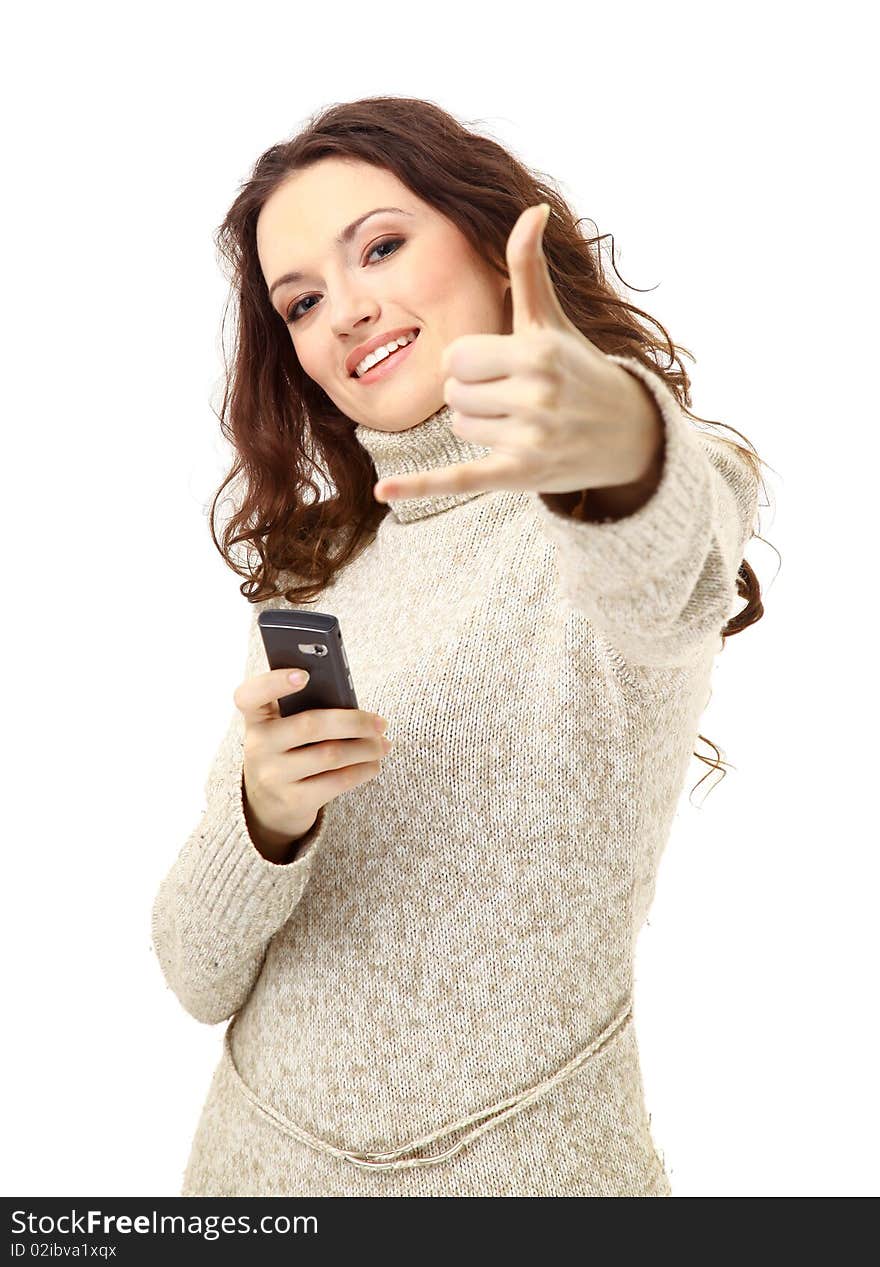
(351, 308)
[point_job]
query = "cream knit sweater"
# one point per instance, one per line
(435, 997)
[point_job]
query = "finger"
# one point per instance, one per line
(317, 725)
(532, 293)
(302, 763)
(500, 398)
(477, 358)
(257, 696)
(487, 474)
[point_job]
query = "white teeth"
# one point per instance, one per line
(379, 354)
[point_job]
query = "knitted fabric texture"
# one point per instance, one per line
(434, 997)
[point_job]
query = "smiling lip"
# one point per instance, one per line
(387, 365)
(354, 358)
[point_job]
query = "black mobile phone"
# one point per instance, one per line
(312, 641)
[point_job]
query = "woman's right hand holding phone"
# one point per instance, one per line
(294, 765)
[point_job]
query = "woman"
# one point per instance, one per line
(533, 555)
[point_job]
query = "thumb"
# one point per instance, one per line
(533, 297)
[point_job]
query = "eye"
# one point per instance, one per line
(395, 242)
(291, 319)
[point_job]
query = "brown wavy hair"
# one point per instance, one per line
(284, 429)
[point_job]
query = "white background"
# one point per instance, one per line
(727, 150)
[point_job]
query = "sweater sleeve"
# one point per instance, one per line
(659, 585)
(221, 903)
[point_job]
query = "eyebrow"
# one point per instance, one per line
(341, 240)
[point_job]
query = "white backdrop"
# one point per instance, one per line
(727, 151)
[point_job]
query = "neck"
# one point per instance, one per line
(427, 446)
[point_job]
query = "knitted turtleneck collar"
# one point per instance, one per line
(427, 446)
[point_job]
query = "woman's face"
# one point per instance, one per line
(398, 271)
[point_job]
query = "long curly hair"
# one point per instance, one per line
(284, 429)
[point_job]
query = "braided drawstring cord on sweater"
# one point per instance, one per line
(486, 1118)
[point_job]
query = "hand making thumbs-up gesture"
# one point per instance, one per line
(558, 415)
